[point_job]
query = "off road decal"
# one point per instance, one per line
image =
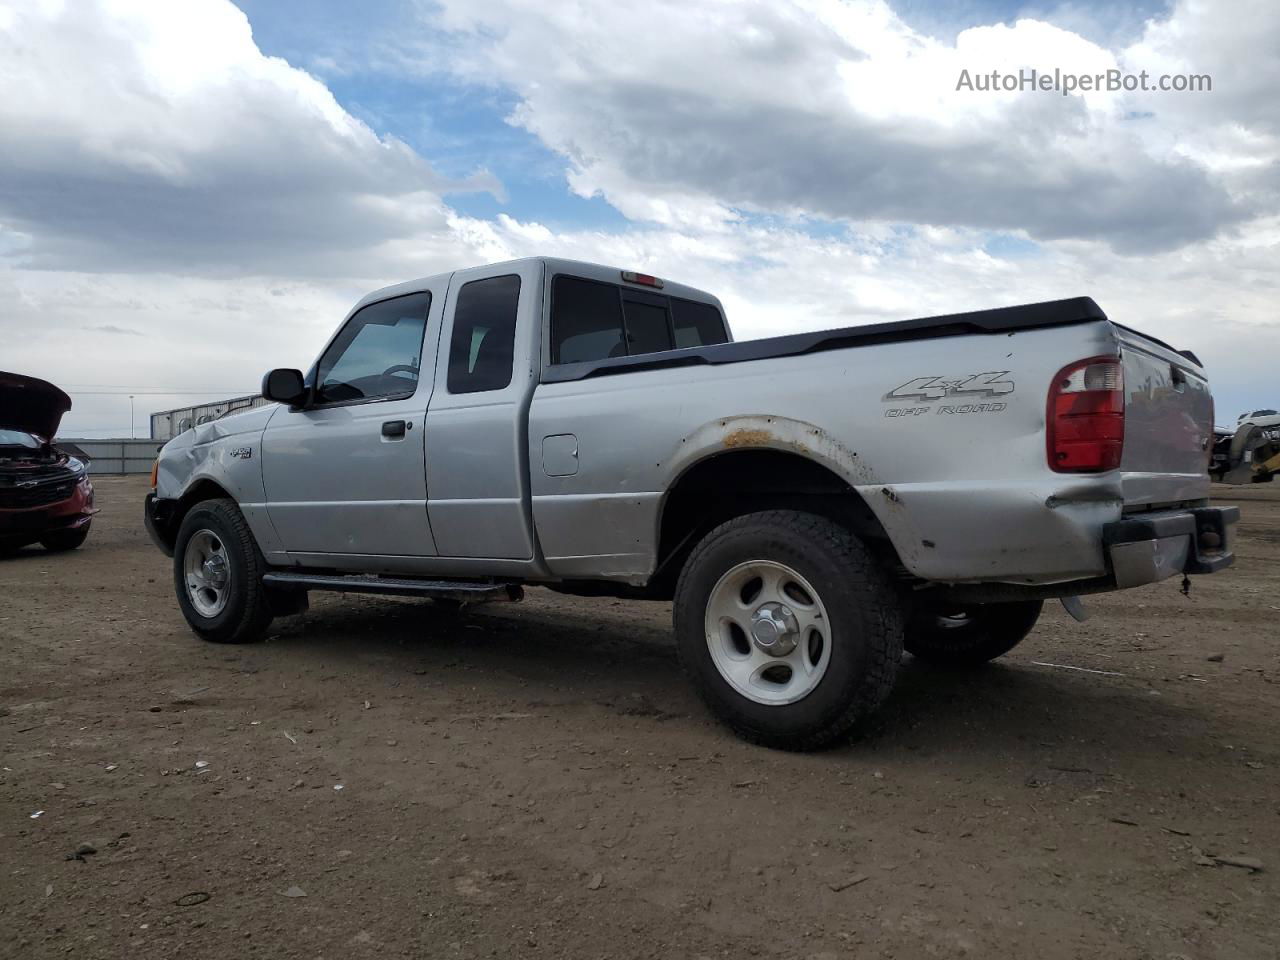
(924, 391)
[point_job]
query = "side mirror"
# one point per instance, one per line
(285, 386)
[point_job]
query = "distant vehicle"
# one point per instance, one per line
(1249, 452)
(813, 503)
(45, 493)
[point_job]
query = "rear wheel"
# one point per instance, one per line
(971, 636)
(788, 628)
(217, 573)
(64, 540)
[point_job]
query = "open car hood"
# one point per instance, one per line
(31, 405)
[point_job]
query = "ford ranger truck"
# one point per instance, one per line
(813, 504)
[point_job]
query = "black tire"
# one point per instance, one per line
(970, 637)
(865, 626)
(248, 609)
(63, 540)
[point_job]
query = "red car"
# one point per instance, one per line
(45, 493)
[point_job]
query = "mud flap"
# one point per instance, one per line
(1075, 607)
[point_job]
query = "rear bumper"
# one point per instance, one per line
(1155, 546)
(157, 516)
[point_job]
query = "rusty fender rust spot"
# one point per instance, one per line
(757, 431)
(748, 438)
(890, 495)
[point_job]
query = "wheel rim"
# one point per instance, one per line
(768, 632)
(207, 573)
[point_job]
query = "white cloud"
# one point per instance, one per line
(834, 108)
(156, 136)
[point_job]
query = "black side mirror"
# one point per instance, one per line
(285, 386)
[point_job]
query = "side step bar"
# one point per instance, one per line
(461, 590)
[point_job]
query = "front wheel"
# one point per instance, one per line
(972, 636)
(217, 573)
(788, 628)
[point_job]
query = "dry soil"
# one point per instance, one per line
(385, 779)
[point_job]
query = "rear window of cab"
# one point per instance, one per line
(592, 320)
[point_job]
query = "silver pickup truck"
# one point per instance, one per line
(813, 503)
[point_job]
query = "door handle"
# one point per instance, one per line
(393, 428)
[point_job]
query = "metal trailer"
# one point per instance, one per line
(167, 424)
(1249, 453)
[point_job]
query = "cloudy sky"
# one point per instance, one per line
(194, 191)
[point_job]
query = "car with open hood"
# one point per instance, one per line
(45, 493)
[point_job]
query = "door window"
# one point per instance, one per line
(378, 354)
(484, 335)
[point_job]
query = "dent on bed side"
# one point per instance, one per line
(1091, 492)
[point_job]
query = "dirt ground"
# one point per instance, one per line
(537, 780)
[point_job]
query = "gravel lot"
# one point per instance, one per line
(537, 780)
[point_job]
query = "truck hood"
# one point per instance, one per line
(31, 405)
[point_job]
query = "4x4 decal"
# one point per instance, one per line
(927, 389)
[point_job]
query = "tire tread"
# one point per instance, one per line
(255, 612)
(863, 576)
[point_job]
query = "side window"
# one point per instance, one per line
(484, 335)
(591, 320)
(648, 325)
(586, 321)
(696, 324)
(378, 353)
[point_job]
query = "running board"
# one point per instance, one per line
(460, 590)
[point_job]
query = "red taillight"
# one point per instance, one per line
(641, 278)
(1085, 423)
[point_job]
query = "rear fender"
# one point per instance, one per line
(787, 435)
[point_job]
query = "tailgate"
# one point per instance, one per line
(1168, 429)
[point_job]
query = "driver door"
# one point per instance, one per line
(345, 476)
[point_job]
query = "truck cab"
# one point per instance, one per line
(405, 448)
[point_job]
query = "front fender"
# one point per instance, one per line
(223, 455)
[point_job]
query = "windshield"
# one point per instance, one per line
(17, 438)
